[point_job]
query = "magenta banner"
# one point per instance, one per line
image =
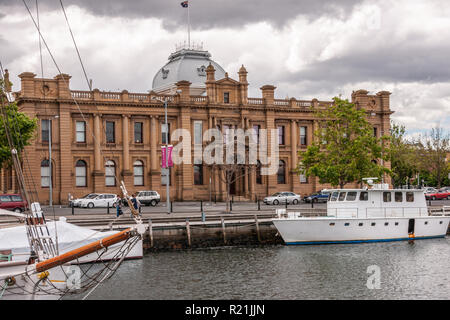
(163, 156)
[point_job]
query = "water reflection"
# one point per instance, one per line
(408, 271)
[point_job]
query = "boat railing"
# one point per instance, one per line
(378, 212)
(444, 211)
(374, 212)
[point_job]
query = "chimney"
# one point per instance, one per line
(268, 94)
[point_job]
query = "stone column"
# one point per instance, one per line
(155, 180)
(293, 175)
(126, 172)
(66, 164)
(98, 171)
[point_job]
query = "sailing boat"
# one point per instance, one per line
(49, 275)
(45, 272)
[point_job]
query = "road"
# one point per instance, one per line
(194, 207)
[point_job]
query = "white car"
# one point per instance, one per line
(101, 200)
(148, 198)
(282, 198)
(76, 202)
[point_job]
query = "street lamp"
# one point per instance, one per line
(165, 101)
(50, 199)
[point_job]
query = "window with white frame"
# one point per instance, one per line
(80, 174)
(138, 172)
(80, 131)
(110, 173)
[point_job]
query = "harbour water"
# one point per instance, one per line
(391, 270)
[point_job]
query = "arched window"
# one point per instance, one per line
(281, 174)
(80, 174)
(258, 172)
(138, 171)
(45, 173)
(110, 173)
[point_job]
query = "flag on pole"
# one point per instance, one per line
(185, 4)
(169, 156)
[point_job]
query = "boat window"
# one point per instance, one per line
(332, 224)
(351, 196)
(360, 224)
(364, 196)
(342, 196)
(386, 197)
(409, 196)
(346, 224)
(373, 224)
(334, 196)
(396, 223)
(386, 223)
(399, 197)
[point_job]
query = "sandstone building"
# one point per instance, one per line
(120, 134)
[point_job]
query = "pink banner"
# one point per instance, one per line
(163, 156)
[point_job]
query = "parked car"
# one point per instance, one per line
(101, 200)
(321, 196)
(13, 202)
(283, 197)
(438, 195)
(76, 202)
(430, 190)
(146, 198)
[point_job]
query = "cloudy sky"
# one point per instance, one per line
(307, 49)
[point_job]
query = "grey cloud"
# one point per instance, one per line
(399, 62)
(206, 14)
(9, 52)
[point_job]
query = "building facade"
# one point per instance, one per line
(99, 138)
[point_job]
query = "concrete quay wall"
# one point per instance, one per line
(210, 234)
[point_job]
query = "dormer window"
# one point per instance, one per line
(226, 97)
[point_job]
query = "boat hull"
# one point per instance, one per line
(331, 230)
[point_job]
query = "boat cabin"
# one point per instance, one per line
(378, 201)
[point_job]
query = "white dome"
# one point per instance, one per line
(186, 64)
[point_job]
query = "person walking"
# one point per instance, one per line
(119, 206)
(136, 202)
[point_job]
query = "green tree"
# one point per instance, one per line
(21, 128)
(433, 150)
(403, 155)
(345, 149)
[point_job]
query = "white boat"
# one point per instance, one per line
(15, 245)
(365, 215)
(33, 267)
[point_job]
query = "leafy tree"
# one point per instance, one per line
(403, 155)
(433, 150)
(345, 149)
(21, 128)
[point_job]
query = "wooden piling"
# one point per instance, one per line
(150, 232)
(188, 231)
(257, 228)
(223, 231)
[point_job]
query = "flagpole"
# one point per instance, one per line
(189, 28)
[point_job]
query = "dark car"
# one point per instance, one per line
(12, 202)
(321, 196)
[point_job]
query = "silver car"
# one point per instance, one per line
(76, 202)
(282, 198)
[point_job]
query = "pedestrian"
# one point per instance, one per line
(136, 202)
(119, 206)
